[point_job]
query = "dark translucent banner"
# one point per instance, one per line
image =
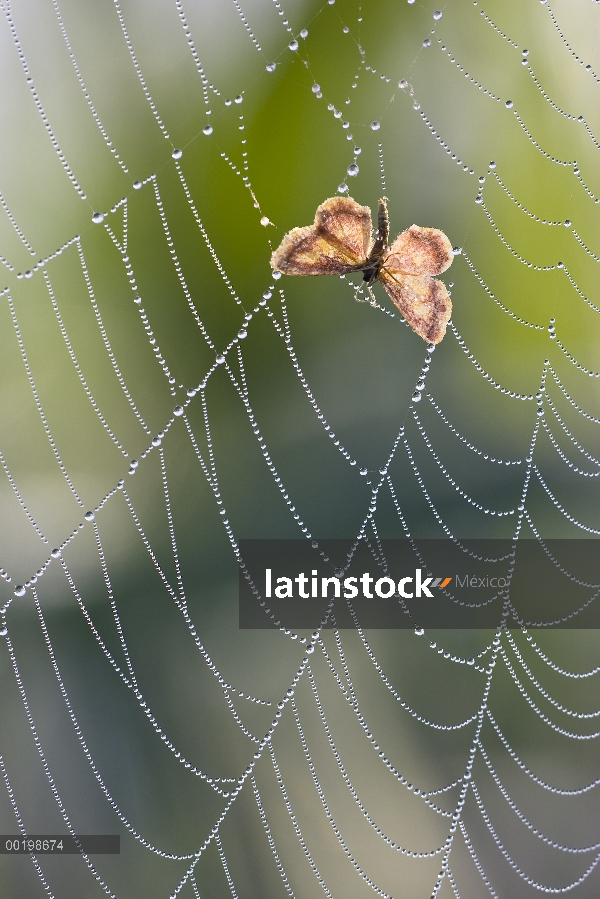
(300, 584)
(60, 844)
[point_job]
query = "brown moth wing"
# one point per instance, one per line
(420, 251)
(337, 243)
(422, 300)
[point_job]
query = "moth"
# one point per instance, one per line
(342, 241)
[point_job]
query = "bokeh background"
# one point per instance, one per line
(98, 96)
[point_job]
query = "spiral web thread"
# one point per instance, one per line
(556, 411)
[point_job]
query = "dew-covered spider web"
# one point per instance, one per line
(163, 396)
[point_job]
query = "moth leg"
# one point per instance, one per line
(373, 300)
(358, 293)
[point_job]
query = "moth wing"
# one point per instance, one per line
(423, 301)
(337, 243)
(419, 251)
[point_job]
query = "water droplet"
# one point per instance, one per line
(178, 411)
(479, 198)
(97, 218)
(271, 66)
(363, 471)
(3, 631)
(177, 154)
(353, 170)
(293, 45)
(55, 553)
(419, 631)
(357, 151)
(410, 2)
(492, 165)
(228, 102)
(156, 441)
(525, 52)
(416, 105)
(89, 515)
(277, 275)
(265, 221)
(375, 126)
(403, 84)
(134, 464)
(437, 15)
(343, 188)
(242, 334)
(346, 30)
(137, 185)
(457, 250)
(427, 42)
(220, 360)
(316, 88)
(20, 590)
(29, 273)
(309, 648)
(208, 129)
(568, 223)
(238, 99)
(304, 34)
(416, 397)
(509, 104)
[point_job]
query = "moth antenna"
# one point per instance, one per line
(390, 274)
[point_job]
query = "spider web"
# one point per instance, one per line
(164, 395)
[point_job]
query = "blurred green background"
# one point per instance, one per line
(361, 366)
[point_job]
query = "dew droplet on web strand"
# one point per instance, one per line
(353, 170)
(177, 154)
(375, 126)
(207, 130)
(97, 218)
